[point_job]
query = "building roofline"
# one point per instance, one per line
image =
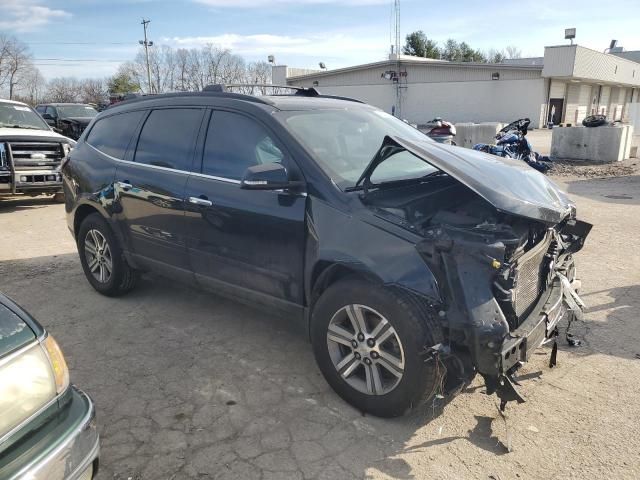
(592, 50)
(435, 63)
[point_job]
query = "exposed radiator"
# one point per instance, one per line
(530, 278)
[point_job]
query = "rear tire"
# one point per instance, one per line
(102, 259)
(339, 345)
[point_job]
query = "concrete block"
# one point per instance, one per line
(599, 144)
(468, 134)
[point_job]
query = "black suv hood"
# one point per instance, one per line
(84, 121)
(509, 185)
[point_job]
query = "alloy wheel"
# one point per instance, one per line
(98, 255)
(365, 350)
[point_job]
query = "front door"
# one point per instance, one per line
(555, 111)
(249, 243)
(150, 190)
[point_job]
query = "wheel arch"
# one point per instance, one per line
(325, 273)
(82, 212)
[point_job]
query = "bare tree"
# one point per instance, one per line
(93, 90)
(513, 52)
(495, 56)
(64, 90)
(15, 63)
(259, 73)
(32, 86)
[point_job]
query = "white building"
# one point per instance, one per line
(570, 81)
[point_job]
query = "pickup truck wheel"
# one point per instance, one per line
(101, 257)
(367, 341)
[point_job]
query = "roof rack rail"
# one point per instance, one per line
(302, 91)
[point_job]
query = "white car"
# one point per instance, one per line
(31, 153)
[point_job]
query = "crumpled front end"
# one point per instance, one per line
(505, 288)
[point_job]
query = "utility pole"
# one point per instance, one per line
(147, 44)
(396, 32)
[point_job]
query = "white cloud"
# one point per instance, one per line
(27, 15)
(337, 49)
(270, 3)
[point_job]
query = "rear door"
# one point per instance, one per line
(150, 188)
(249, 242)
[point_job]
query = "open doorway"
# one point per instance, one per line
(555, 110)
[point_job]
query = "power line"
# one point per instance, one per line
(80, 43)
(78, 60)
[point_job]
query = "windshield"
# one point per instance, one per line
(20, 116)
(76, 111)
(343, 142)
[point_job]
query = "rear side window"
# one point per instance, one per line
(111, 135)
(235, 143)
(168, 138)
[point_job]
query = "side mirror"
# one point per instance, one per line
(268, 176)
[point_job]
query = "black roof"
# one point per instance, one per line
(279, 102)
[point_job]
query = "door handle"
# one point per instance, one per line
(124, 185)
(203, 202)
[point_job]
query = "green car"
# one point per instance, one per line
(47, 426)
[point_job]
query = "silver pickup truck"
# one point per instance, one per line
(31, 153)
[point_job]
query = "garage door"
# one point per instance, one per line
(578, 103)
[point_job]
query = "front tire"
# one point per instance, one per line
(102, 259)
(367, 341)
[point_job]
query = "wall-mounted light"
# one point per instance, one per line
(495, 76)
(315, 83)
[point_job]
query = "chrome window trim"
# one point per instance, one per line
(167, 169)
(221, 179)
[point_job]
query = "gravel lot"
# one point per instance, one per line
(189, 385)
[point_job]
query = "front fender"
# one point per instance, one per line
(377, 251)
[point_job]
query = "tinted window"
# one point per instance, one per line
(234, 143)
(52, 111)
(40, 108)
(168, 138)
(111, 135)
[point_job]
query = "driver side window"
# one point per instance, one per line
(234, 143)
(52, 111)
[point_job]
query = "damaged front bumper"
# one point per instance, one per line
(480, 334)
(541, 327)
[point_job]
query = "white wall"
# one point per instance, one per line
(475, 101)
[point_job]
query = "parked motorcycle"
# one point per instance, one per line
(440, 130)
(512, 142)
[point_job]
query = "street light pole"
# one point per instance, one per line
(147, 44)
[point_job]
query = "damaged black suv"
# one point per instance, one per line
(402, 258)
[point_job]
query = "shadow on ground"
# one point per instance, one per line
(191, 385)
(14, 204)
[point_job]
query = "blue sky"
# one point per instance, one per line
(299, 32)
